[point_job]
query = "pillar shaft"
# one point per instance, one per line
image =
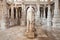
(38, 12)
(5, 21)
(12, 16)
(23, 15)
(44, 16)
(56, 18)
(56, 10)
(16, 16)
(38, 20)
(12, 13)
(16, 13)
(44, 13)
(49, 12)
(49, 17)
(8, 13)
(30, 33)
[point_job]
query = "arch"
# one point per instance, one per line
(34, 7)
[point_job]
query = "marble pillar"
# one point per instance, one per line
(56, 18)
(8, 13)
(44, 16)
(49, 19)
(12, 16)
(16, 16)
(12, 12)
(56, 21)
(30, 32)
(38, 19)
(23, 15)
(44, 13)
(5, 20)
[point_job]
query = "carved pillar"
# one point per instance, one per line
(5, 20)
(23, 15)
(16, 16)
(44, 13)
(49, 19)
(56, 18)
(38, 19)
(30, 32)
(12, 13)
(12, 16)
(8, 13)
(56, 21)
(44, 16)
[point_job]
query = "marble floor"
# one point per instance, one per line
(18, 33)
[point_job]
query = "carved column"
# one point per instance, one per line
(5, 20)
(8, 13)
(23, 15)
(12, 16)
(44, 12)
(49, 19)
(38, 19)
(16, 16)
(44, 16)
(12, 13)
(56, 18)
(30, 32)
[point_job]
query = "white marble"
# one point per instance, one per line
(49, 19)
(4, 20)
(38, 18)
(30, 18)
(44, 17)
(56, 17)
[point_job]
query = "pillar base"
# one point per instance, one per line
(30, 35)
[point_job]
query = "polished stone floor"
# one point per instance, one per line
(18, 33)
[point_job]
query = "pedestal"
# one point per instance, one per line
(30, 34)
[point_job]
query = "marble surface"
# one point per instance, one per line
(18, 33)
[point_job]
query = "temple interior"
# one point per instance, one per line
(29, 19)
